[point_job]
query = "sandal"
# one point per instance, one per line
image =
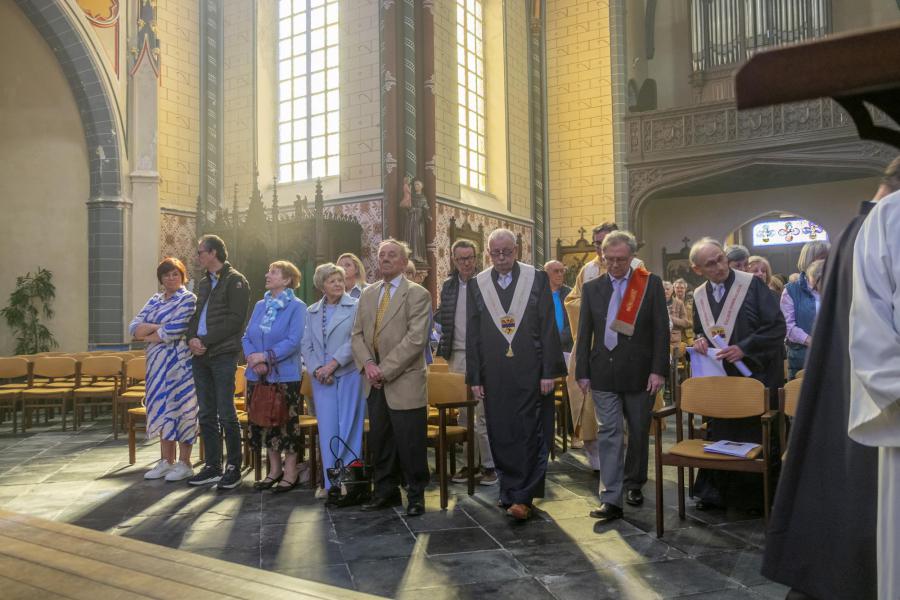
(280, 489)
(267, 483)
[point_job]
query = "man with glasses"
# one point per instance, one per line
(214, 335)
(623, 360)
(451, 322)
(513, 357)
(581, 407)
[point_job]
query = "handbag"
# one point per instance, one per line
(268, 403)
(350, 484)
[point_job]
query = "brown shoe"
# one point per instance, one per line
(519, 512)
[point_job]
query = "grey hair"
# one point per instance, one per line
(736, 252)
(502, 233)
(620, 236)
(812, 251)
(404, 247)
(324, 272)
(815, 269)
(699, 244)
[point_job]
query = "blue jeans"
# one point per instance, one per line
(214, 381)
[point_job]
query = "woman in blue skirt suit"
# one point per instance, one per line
(336, 382)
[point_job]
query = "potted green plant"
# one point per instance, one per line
(31, 300)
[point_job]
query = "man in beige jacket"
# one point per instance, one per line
(389, 336)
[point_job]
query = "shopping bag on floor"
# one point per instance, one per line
(351, 483)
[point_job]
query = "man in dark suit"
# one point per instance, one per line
(623, 358)
(556, 271)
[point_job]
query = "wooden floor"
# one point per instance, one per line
(49, 560)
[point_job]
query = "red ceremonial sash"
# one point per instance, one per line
(631, 302)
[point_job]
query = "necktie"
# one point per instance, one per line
(719, 291)
(382, 309)
(610, 337)
(505, 280)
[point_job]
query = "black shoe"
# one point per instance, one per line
(381, 503)
(230, 479)
(607, 512)
(704, 506)
(284, 486)
(634, 497)
(206, 475)
(267, 483)
(415, 509)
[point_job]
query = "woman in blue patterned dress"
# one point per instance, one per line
(170, 398)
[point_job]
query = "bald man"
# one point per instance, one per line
(556, 271)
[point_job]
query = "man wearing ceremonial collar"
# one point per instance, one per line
(739, 308)
(622, 361)
(513, 356)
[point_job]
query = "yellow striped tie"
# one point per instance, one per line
(382, 309)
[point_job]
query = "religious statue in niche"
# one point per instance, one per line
(416, 208)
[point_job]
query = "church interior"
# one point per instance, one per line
(300, 130)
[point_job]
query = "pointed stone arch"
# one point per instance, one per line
(107, 209)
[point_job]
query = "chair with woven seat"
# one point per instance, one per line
(134, 417)
(717, 398)
(16, 372)
(561, 410)
(240, 388)
(100, 389)
(448, 391)
(131, 392)
(309, 425)
(60, 370)
(788, 397)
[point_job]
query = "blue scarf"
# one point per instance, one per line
(273, 306)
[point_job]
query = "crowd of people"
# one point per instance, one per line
(511, 330)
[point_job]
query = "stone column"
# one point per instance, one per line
(143, 251)
(429, 141)
(391, 160)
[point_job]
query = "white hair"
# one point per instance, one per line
(698, 246)
(498, 234)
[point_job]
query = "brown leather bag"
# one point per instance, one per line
(268, 402)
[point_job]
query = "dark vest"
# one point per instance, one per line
(804, 304)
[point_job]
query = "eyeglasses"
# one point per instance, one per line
(504, 253)
(617, 260)
(464, 259)
(597, 244)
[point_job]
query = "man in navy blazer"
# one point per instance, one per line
(623, 372)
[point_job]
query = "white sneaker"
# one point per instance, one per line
(179, 471)
(321, 493)
(159, 471)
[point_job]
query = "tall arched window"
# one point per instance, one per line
(308, 97)
(470, 79)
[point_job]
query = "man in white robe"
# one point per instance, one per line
(875, 378)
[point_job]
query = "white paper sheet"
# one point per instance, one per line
(706, 365)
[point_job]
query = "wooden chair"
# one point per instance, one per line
(448, 391)
(62, 371)
(240, 388)
(718, 398)
(438, 368)
(134, 417)
(16, 371)
(130, 392)
(799, 374)
(561, 410)
(309, 425)
(101, 389)
(788, 397)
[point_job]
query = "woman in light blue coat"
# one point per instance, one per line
(337, 383)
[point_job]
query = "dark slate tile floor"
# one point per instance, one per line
(471, 550)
